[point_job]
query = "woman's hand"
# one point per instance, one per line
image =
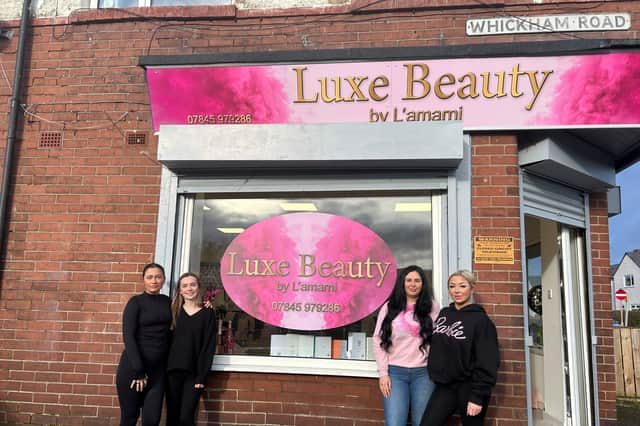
(138, 385)
(198, 386)
(473, 409)
(385, 386)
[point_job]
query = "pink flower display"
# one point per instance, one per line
(210, 295)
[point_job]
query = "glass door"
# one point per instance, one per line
(559, 343)
(577, 320)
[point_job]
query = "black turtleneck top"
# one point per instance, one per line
(146, 326)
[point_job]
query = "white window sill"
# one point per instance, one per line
(289, 365)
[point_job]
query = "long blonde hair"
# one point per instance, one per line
(178, 300)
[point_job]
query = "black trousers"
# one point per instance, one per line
(149, 400)
(450, 399)
(182, 398)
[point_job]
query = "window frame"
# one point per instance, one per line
(95, 4)
(629, 278)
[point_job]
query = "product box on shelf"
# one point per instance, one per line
(339, 349)
(356, 345)
(305, 346)
(322, 347)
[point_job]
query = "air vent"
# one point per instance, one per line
(136, 138)
(50, 140)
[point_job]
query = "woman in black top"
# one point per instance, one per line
(191, 353)
(145, 328)
(464, 358)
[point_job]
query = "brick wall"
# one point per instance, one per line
(495, 211)
(280, 399)
(81, 223)
(82, 216)
(599, 222)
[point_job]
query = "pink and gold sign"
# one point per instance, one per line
(308, 271)
(483, 93)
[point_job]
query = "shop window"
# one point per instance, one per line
(628, 280)
(210, 222)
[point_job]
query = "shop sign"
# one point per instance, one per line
(483, 93)
(493, 250)
(548, 24)
(308, 271)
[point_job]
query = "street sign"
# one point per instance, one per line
(621, 294)
(548, 24)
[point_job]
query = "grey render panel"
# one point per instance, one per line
(568, 160)
(312, 146)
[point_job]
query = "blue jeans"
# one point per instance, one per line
(410, 387)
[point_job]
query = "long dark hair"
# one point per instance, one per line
(398, 303)
(178, 300)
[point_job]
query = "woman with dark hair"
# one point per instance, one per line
(401, 344)
(191, 353)
(464, 357)
(140, 376)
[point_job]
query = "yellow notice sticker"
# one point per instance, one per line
(495, 249)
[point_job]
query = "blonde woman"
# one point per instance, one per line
(464, 358)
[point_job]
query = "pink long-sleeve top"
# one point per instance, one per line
(405, 340)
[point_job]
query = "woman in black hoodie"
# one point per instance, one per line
(464, 359)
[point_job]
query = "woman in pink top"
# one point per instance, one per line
(401, 344)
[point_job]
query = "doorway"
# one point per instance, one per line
(558, 316)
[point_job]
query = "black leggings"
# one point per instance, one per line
(149, 400)
(182, 398)
(449, 399)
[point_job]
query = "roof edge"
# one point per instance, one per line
(546, 48)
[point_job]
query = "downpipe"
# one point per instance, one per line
(13, 118)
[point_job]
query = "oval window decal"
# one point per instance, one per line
(308, 271)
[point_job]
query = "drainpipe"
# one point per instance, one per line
(13, 116)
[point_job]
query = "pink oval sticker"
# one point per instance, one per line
(308, 271)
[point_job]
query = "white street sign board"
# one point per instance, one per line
(548, 24)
